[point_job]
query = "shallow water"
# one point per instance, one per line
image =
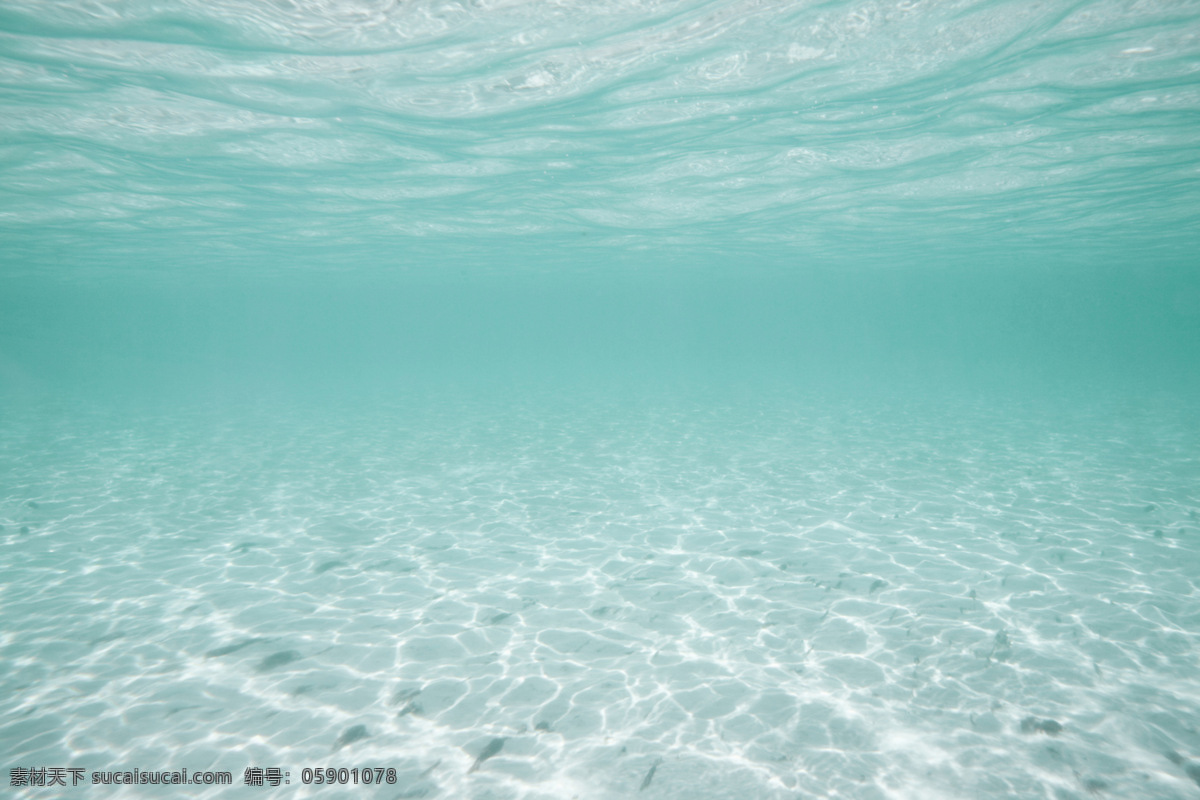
(789, 597)
(602, 399)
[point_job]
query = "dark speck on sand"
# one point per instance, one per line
(1035, 725)
(351, 735)
(232, 648)
(650, 775)
(493, 747)
(278, 660)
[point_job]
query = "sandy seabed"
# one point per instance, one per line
(779, 599)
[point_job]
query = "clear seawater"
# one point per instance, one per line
(602, 399)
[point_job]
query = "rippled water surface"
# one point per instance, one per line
(590, 400)
(261, 133)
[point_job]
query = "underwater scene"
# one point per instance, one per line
(590, 399)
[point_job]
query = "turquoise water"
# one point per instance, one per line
(602, 399)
